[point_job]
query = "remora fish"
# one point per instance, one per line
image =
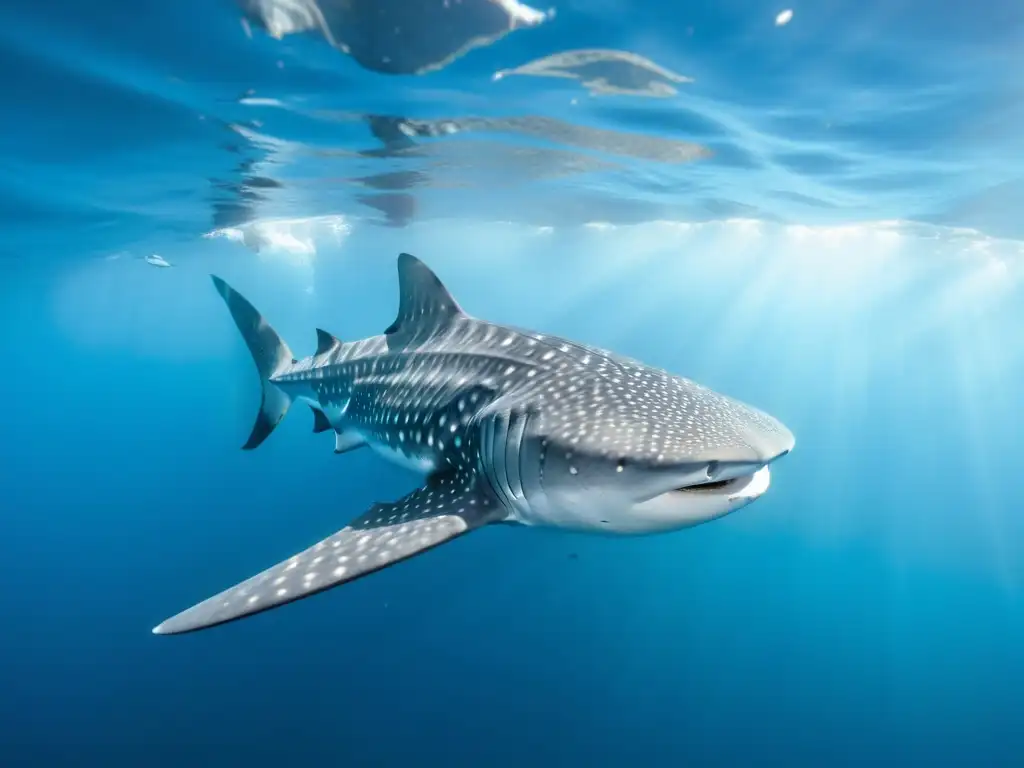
(506, 425)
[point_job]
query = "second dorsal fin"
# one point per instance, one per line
(325, 342)
(424, 305)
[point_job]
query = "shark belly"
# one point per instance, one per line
(581, 517)
(399, 436)
(404, 453)
(419, 462)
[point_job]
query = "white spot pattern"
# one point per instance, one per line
(384, 535)
(471, 400)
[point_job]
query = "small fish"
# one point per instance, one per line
(506, 426)
(158, 261)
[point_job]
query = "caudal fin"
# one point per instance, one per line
(270, 354)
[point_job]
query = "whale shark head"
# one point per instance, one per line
(627, 448)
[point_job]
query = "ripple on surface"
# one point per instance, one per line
(604, 71)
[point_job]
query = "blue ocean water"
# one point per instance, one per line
(826, 223)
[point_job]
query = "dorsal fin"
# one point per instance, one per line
(325, 342)
(424, 305)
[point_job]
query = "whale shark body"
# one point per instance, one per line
(505, 425)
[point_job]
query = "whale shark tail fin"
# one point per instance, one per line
(271, 356)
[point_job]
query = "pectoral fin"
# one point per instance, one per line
(447, 506)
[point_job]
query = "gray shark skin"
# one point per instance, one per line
(506, 426)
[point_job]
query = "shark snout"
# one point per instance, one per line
(756, 448)
(771, 444)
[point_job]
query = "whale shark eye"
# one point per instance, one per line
(620, 465)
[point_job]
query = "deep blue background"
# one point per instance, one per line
(867, 610)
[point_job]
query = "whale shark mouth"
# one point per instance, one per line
(747, 486)
(751, 484)
(715, 486)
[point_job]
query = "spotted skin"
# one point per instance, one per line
(442, 510)
(507, 425)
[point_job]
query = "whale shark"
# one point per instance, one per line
(504, 425)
